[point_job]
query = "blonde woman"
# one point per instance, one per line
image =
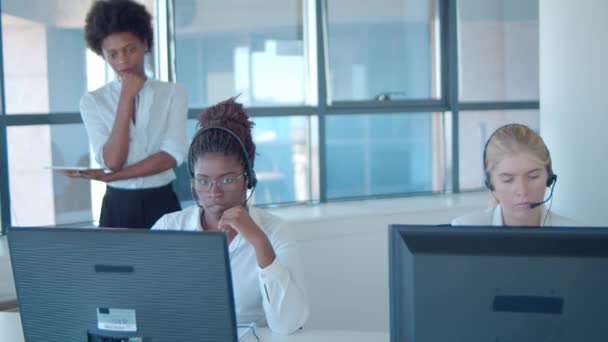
(518, 172)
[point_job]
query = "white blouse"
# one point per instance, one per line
(274, 295)
(493, 217)
(161, 113)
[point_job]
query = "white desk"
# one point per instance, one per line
(8, 296)
(10, 330)
(319, 336)
(10, 327)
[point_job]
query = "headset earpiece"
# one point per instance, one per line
(252, 180)
(488, 182)
(551, 180)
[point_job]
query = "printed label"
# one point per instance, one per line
(116, 319)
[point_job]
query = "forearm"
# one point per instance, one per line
(116, 149)
(284, 299)
(152, 165)
(263, 250)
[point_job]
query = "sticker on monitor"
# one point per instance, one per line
(116, 319)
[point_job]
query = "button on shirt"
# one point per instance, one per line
(274, 295)
(160, 125)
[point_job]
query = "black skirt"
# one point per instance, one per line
(137, 208)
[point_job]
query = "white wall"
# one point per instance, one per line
(574, 104)
(344, 251)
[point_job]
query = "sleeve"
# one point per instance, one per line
(96, 129)
(161, 224)
(282, 287)
(175, 142)
(478, 218)
(457, 222)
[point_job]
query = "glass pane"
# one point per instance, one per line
(383, 154)
(257, 51)
(40, 48)
(282, 162)
(40, 196)
(474, 130)
(498, 50)
(382, 48)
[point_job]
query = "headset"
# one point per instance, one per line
(552, 177)
(252, 180)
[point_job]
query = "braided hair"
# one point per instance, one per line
(230, 115)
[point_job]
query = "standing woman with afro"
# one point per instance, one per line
(136, 125)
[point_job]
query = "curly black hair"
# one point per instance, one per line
(112, 16)
(230, 115)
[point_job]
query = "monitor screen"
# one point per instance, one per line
(497, 284)
(139, 285)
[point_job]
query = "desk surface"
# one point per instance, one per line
(8, 296)
(10, 327)
(10, 330)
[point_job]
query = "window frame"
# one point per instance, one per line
(165, 66)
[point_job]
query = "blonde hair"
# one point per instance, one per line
(511, 139)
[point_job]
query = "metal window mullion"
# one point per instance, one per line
(506, 105)
(41, 119)
(321, 28)
(5, 202)
(439, 107)
(161, 44)
(171, 41)
(266, 111)
(451, 45)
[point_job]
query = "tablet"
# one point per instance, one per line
(75, 168)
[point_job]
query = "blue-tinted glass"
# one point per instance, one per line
(475, 128)
(498, 50)
(46, 64)
(282, 162)
(252, 48)
(380, 154)
(383, 47)
(40, 196)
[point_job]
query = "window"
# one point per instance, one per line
(254, 49)
(357, 109)
(383, 48)
(40, 196)
(382, 154)
(47, 68)
(498, 50)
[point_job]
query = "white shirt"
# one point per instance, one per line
(161, 113)
(493, 217)
(274, 294)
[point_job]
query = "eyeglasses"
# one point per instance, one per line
(226, 183)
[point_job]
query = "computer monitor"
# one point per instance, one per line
(497, 284)
(129, 285)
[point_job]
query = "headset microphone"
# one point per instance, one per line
(536, 204)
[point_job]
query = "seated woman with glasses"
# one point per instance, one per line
(266, 272)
